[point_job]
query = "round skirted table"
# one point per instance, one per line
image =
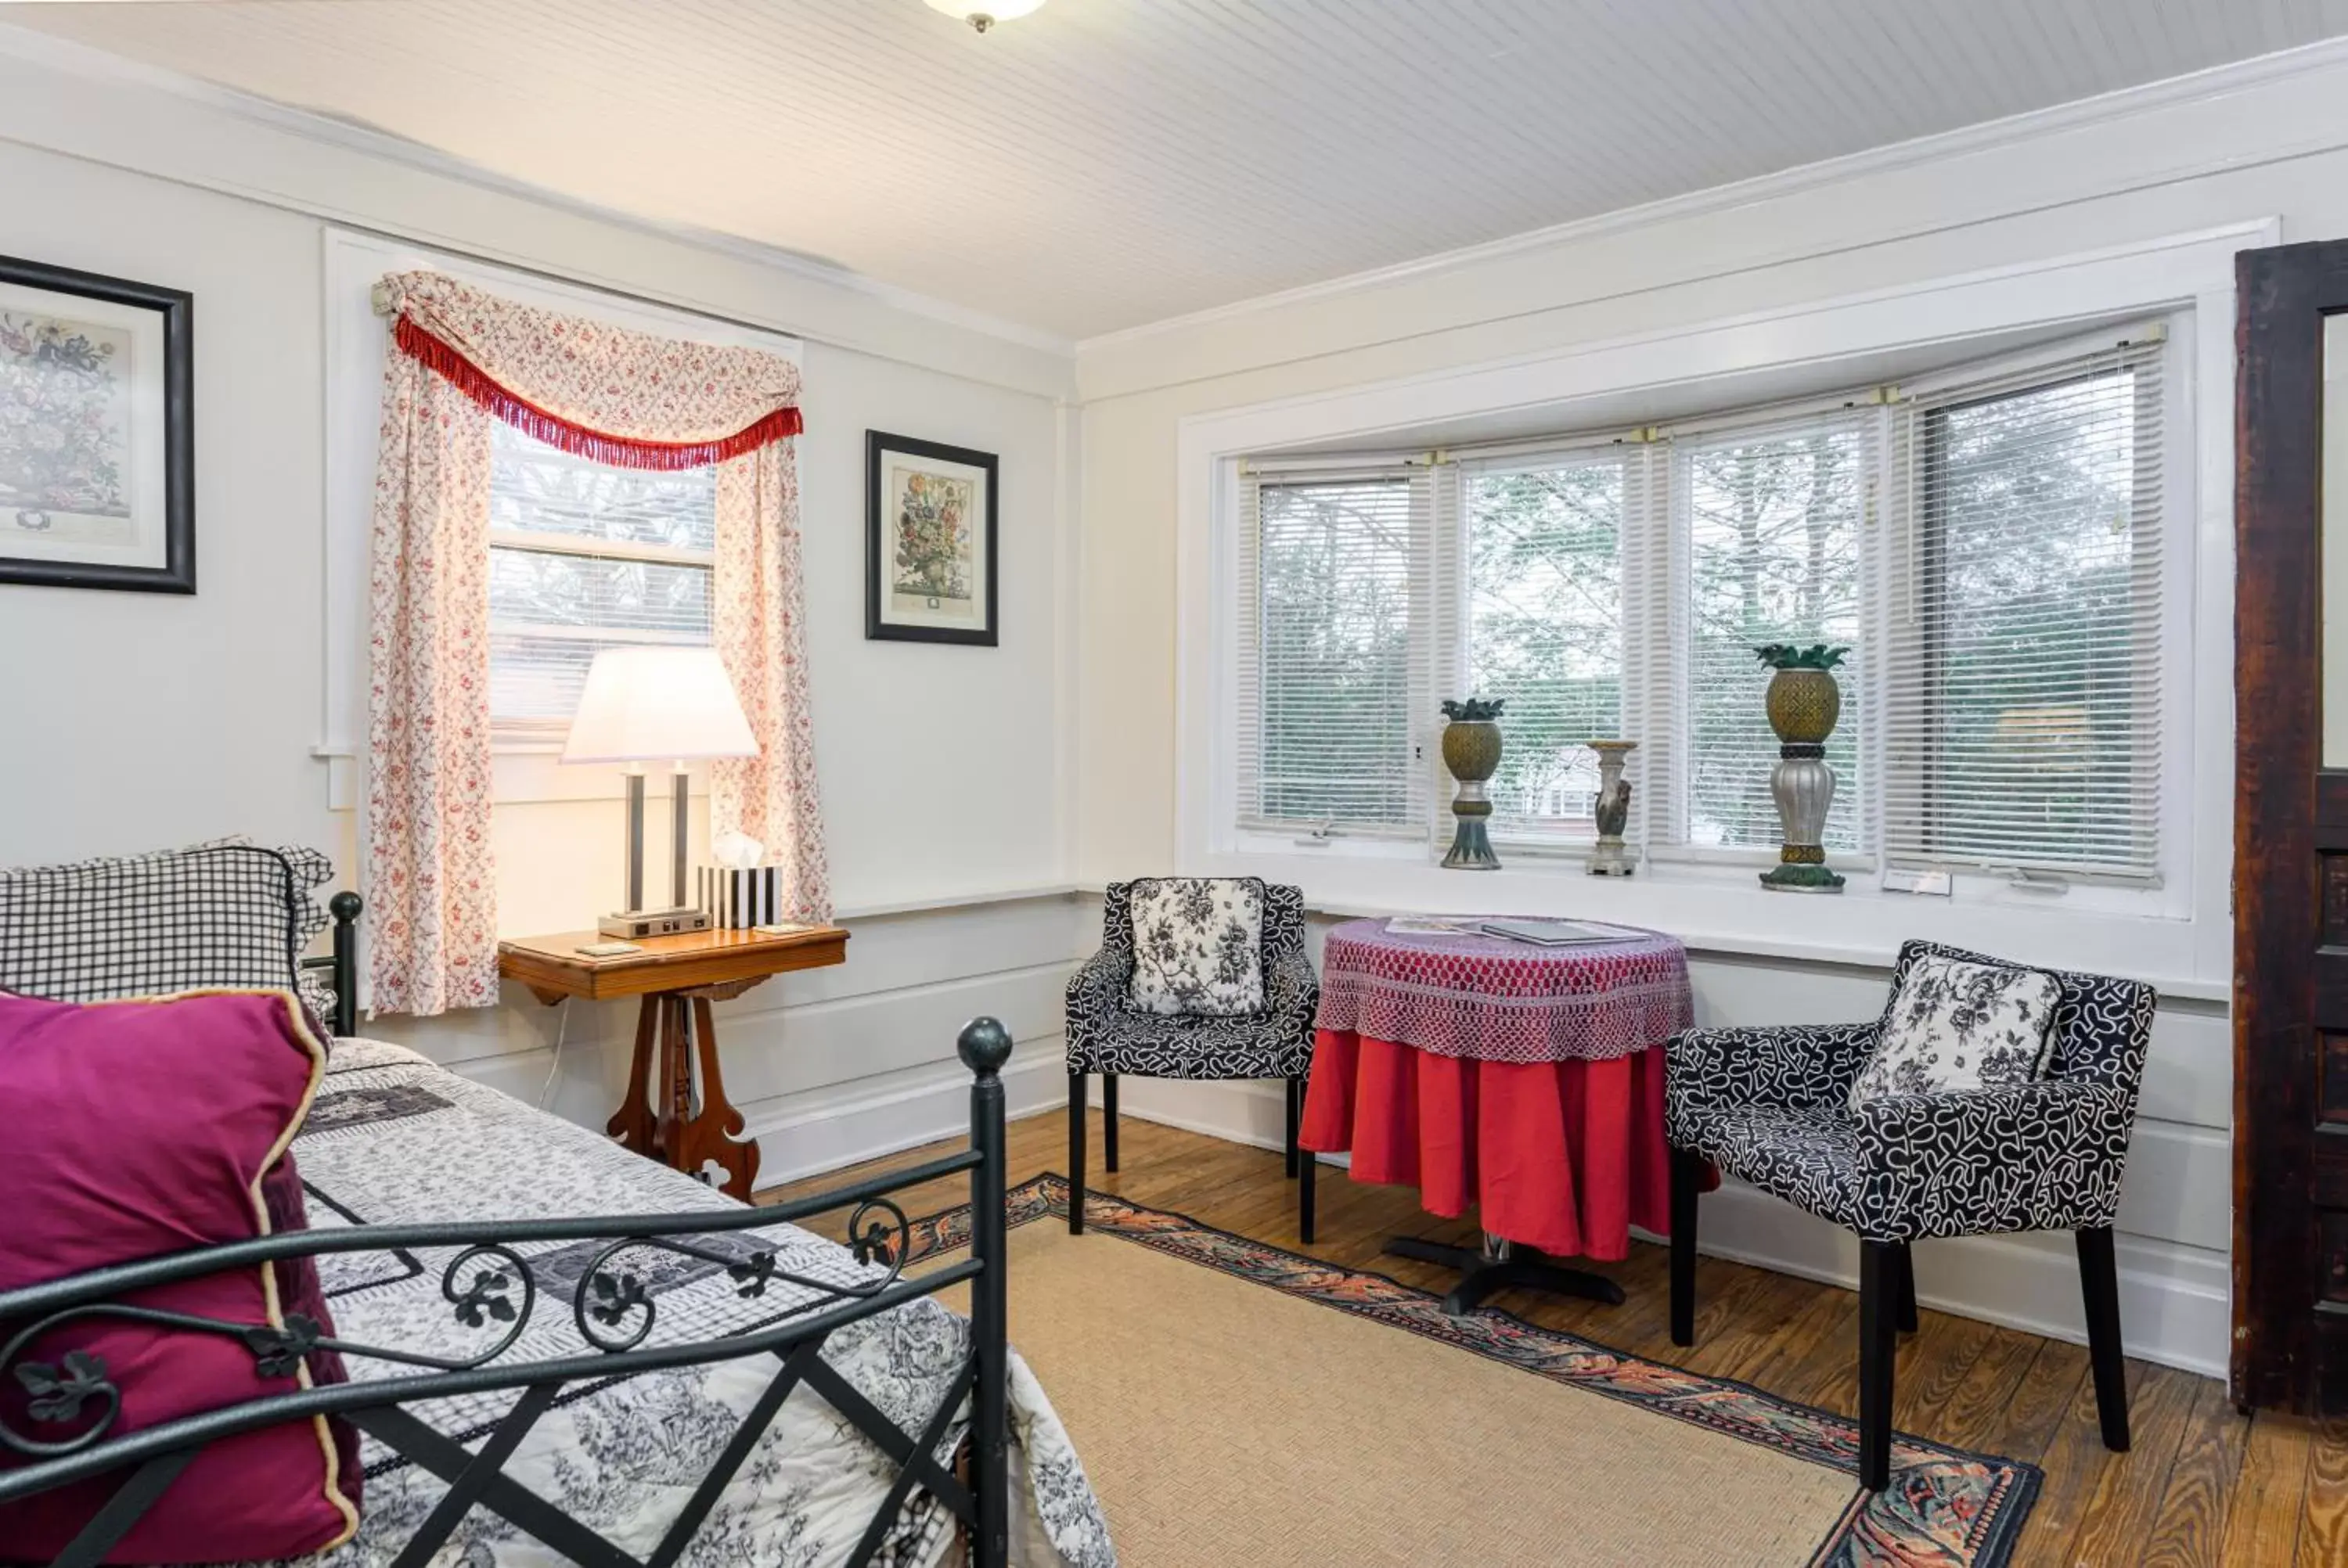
(1523, 1079)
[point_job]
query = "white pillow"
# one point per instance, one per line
(1955, 1025)
(1197, 945)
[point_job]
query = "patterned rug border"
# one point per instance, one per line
(1945, 1506)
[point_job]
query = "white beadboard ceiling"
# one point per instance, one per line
(1106, 163)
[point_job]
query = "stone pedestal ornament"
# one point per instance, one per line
(1612, 807)
(1471, 749)
(1804, 702)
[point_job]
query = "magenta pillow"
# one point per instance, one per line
(148, 1126)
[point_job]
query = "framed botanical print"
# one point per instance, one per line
(929, 550)
(96, 418)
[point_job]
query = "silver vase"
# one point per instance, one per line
(1612, 808)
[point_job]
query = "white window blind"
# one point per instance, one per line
(2022, 696)
(1771, 519)
(1545, 541)
(1334, 574)
(582, 557)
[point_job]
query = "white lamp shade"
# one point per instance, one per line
(648, 705)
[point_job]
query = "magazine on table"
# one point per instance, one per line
(1556, 933)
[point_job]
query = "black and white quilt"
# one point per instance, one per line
(394, 1139)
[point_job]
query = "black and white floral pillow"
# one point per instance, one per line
(1197, 945)
(1955, 1025)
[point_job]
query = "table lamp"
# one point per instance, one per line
(647, 704)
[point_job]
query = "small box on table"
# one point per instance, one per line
(738, 900)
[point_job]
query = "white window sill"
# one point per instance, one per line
(1719, 908)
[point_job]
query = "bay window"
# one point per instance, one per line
(1987, 544)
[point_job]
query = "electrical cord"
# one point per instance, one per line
(561, 1027)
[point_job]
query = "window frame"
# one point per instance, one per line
(356, 345)
(1452, 654)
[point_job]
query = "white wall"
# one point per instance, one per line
(139, 720)
(2233, 147)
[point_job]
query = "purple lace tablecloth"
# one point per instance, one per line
(1492, 1000)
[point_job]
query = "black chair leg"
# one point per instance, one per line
(1108, 1121)
(1906, 1282)
(1687, 1176)
(1878, 1341)
(2099, 1283)
(1295, 1118)
(1076, 1096)
(1308, 1163)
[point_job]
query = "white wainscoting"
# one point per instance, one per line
(829, 1066)
(2175, 1215)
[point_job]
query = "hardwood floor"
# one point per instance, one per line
(2202, 1485)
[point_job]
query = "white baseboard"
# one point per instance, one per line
(2174, 1302)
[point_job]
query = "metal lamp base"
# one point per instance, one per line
(635, 921)
(631, 925)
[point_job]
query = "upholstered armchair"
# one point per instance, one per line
(1189, 1030)
(1772, 1108)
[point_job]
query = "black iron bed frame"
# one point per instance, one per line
(488, 1283)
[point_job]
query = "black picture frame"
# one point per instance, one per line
(177, 308)
(878, 444)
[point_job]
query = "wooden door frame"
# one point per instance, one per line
(2288, 814)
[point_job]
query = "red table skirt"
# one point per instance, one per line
(1562, 1156)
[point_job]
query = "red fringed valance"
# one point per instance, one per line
(619, 451)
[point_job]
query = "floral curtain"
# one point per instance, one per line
(461, 357)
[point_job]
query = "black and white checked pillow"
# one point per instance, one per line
(223, 913)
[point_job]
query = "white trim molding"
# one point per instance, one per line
(2226, 120)
(2184, 944)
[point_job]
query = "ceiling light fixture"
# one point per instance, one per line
(983, 14)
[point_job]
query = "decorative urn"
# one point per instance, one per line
(1471, 749)
(1610, 806)
(1804, 702)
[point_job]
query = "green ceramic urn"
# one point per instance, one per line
(1471, 749)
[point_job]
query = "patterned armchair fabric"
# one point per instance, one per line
(1769, 1107)
(1108, 1034)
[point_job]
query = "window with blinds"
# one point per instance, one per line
(1543, 622)
(2022, 702)
(1772, 518)
(1327, 723)
(583, 557)
(1986, 544)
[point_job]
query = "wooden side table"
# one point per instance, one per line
(678, 978)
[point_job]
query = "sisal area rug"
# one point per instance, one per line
(1235, 1403)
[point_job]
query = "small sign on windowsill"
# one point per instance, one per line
(1909, 879)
